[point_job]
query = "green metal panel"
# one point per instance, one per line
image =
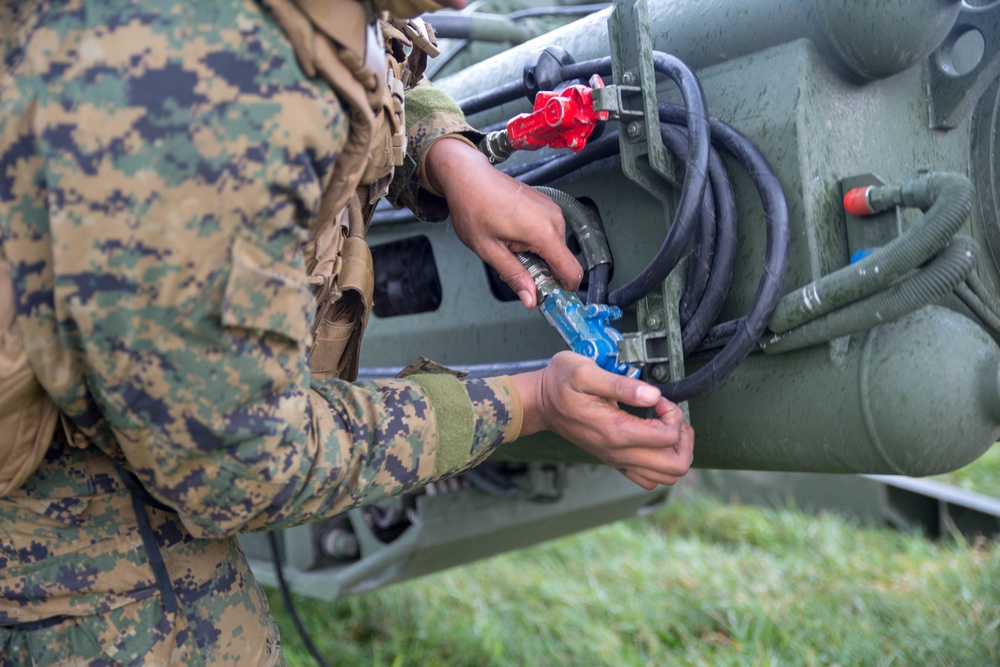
(832, 92)
(824, 104)
(462, 526)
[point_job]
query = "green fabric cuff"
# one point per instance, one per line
(422, 101)
(455, 420)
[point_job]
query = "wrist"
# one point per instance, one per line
(528, 387)
(449, 161)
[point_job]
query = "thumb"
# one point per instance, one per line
(618, 388)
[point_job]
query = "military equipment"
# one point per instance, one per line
(792, 357)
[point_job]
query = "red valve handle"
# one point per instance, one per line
(560, 120)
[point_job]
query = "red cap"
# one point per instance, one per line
(856, 202)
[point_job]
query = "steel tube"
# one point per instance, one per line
(869, 40)
(915, 397)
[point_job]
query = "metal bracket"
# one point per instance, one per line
(872, 231)
(646, 162)
(613, 99)
(951, 95)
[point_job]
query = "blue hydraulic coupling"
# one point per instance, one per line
(584, 327)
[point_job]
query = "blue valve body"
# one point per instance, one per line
(585, 328)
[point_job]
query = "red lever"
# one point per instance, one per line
(560, 120)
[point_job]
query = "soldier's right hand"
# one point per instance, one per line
(576, 399)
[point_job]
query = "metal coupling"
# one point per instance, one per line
(585, 328)
(496, 146)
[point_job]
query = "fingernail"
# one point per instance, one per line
(648, 394)
(525, 298)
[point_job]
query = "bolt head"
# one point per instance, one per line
(660, 372)
(634, 129)
(628, 79)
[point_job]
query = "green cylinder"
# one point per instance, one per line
(916, 397)
(871, 39)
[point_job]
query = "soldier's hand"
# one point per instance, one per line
(578, 400)
(496, 216)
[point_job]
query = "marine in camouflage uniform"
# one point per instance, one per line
(161, 166)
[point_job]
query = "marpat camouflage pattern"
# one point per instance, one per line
(160, 164)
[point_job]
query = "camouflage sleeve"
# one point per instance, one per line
(430, 115)
(159, 173)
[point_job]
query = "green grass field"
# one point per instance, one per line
(698, 583)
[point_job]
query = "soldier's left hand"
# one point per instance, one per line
(496, 216)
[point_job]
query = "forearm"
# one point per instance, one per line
(431, 116)
(358, 443)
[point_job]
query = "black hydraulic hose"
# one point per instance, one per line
(718, 336)
(703, 249)
(585, 69)
(286, 598)
(597, 284)
(492, 98)
(585, 224)
(714, 254)
(705, 308)
(605, 147)
(768, 292)
(702, 255)
(692, 189)
(947, 199)
(518, 170)
(709, 304)
(911, 293)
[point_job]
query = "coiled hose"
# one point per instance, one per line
(750, 327)
(692, 189)
(706, 196)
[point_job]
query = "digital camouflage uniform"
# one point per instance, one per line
(161, 165)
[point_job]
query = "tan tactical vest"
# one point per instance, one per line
(339, 41)
(28, 417)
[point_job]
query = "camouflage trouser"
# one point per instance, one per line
(96, 641)
(75, 569)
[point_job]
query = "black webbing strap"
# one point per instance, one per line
(140, 498)
(29, 626)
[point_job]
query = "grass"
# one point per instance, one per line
(983, 476)
(698, 583)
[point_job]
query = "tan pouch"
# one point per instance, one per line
(343, 281)
(388, 141)
(28, 417)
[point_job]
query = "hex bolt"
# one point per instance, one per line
(654, 321)
(634, 129)
(660, 372)
(629, 79)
